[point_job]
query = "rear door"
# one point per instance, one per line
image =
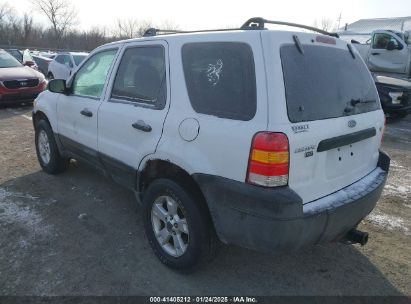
(382, 59)
(326, 102)
(131, 119)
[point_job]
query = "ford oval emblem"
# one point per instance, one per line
(352, 123)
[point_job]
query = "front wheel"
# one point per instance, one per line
(47, 151)
(177, 225)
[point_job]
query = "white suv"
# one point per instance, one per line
(64, 64)
(264, 139)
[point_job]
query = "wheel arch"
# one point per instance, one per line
(40, 115)
(156, 168)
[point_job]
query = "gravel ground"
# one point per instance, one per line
(80, 234)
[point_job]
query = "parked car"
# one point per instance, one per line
(395, 95)
(42, 63)
(24, 57)
(49, 54)
(387, 51)
(16, 54)
(263, 139)
(18, 83)
(64, 64)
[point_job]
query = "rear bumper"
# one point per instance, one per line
(276, 219)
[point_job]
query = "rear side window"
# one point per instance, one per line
(141, 76)
(220, 79)
(326, 82)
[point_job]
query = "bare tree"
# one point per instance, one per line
(27, 27)
(327, 24)
(61, 14)
(130, 28)
(5, 11)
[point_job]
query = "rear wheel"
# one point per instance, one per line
(177, 226)
(47, 151)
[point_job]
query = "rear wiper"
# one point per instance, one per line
(354, 102)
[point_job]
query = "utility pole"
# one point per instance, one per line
(339, 20)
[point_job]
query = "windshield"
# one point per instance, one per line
(8, 61)
(326, 82)
(79, 59)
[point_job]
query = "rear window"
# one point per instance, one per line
(326, 82)
(220, 79)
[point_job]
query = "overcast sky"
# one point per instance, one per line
(220, 13)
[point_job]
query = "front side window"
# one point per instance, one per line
(381, 40)
(220, 79)
(91, 77)
(67, 61)
(141, 76)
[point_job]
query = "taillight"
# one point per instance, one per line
(268, 165)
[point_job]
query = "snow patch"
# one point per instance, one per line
(390, 222)
(18, 209)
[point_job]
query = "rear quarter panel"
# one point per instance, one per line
(222, 146)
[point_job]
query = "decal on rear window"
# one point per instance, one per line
(214, 71)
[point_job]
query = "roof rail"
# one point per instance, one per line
(258, 23)
(154, 32)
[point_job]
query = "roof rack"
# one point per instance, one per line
(256, 23)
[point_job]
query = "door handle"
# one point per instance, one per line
(142, 126)
(86, 112)
(375, 54)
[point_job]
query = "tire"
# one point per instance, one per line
(47, 151)
(190, 226)
(50, 76)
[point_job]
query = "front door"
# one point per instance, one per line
(388, 60)
(77, 112)
(131, 119)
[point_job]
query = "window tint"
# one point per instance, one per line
(91, 77)
(380, 41)
(220, 79)
(326, 82)
(141, 76)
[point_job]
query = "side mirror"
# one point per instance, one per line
(391, 46)
(57, 86)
